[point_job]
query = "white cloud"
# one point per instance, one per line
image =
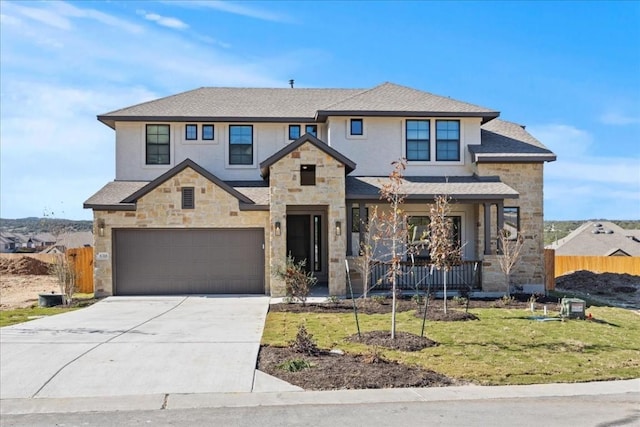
(165, 21)
(236, 8)
(580, 185)
(618, 119)
(42, 16)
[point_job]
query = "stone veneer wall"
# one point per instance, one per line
(329, 192)
(161, 208)
(527, 180)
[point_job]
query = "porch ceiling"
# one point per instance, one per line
(426, 187)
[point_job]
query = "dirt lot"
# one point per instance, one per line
(22, 279)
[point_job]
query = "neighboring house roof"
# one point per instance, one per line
(425, 188)
(294, 104)
(43, 238)
(503, 141)
(598, 238)
(75, 239)
(306, 138)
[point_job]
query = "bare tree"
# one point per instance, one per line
(444, 249)
(368, 248)
(510, 249)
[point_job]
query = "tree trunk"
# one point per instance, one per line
(444, 303)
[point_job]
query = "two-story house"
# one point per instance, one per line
(215, 186)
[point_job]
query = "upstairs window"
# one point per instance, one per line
(240, 144)
(191, 132)
(294, 132)
(188, 198)
(208, 132)
(311, 130)
(417, 139)
(356, 127)
(157, 144)
(308, 175)
(447, 140)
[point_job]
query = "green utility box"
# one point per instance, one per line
(573, 308)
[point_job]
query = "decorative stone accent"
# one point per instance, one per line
(214, 208)
(328, 194)
(527, 180)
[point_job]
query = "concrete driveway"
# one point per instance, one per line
(136, 345)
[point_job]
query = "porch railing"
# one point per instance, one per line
(464, 277)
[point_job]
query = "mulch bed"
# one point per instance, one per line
(403, 341)
(334, 371)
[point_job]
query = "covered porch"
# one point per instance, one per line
(480, 206)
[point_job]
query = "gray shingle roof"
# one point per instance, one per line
(507, 141)
(286, 104)
(425, 188)
(112, 195)
(609, 239)
(390, 97)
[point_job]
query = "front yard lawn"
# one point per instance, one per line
(20, 315)
(503, 347)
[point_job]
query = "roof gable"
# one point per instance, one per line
(390, 99)
(306, 138)
(188, 163)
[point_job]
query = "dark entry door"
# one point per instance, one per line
(305, 242)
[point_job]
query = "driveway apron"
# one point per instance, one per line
(136, 345)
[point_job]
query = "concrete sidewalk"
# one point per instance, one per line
(136, 346)
(216, 400)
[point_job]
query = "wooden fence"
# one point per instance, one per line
(549, 268)
(83, 264)
(597, 264)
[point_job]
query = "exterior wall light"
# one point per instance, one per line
(278, 230)
(101, 227)
(338, 228)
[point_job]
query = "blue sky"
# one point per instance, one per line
(569, 71)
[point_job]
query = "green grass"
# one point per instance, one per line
(503, 347)
(20, 315)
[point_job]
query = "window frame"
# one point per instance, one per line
(213, 132)
(187, 128)
(314, 131)
(232, 144)
(355, 218)
(457, 220)
(292, 127)
(516, 210)
(426, 141)
(307, 175)
(188, 197)
(351, 124)
(447, 141)
(148, 144)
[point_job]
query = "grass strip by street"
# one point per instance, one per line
(504, 347)
(21, 315)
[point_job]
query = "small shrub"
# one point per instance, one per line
(332, 299)
(533, 299)
(304, 342)
(373, 356)
(418, 299)
(459, 300)
(508, 300)
(294, 365)
(380, 299)
(298, 282)
(287, 300)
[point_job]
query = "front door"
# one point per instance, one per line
(305, 242)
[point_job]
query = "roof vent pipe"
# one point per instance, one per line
(291, 81)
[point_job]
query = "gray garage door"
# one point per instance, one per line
(195, 261)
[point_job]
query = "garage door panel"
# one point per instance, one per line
(154, 262)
